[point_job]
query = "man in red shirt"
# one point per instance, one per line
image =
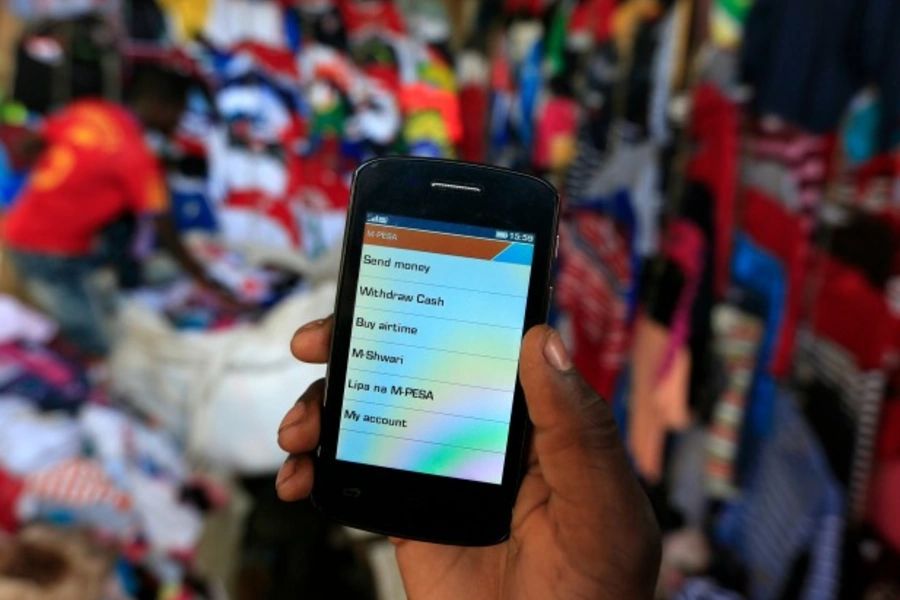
(94, 168)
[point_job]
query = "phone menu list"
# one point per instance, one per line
(434, 350)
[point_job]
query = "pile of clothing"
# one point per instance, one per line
(98, 497)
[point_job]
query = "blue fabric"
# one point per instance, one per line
(292, 29)
(64, 288)
(11, 182)
(803, 59)
(621, 208)
(792, 504)
(763, 275)
(530, 84)
(192, 211)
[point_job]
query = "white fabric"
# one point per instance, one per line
(58, 9)
(30, 441)
(233, 21)
(225, 391)
(633, 167)
(169, 525)
(245, 226)
(20, 323)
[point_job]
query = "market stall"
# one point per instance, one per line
(727, 274)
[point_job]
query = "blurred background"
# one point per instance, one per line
(174, 176)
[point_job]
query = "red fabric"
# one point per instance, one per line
(274, 208)
(851, 312)
(714, 127)
(473, 102)
(96, 168)
(320, 184)
(883, 494)
(558, 119)
(533, 8)
(381, 15)
(584, 290)
(783, 234)
(889, 436)
(593, 16)
(77, 483)
(685, 245)
(10, 491)
(388, 76)
(11, 136)
(275, 61)
(420, 97)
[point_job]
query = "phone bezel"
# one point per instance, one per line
(402, 503)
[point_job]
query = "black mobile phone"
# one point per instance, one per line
(424, 426)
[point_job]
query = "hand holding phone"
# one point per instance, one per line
(582, 527)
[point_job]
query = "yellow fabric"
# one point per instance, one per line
(626, 20)
(10, 30)
(189, 16)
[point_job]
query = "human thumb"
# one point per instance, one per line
(576, 440)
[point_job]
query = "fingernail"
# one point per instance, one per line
(556, 354)
(313, 325)
(293, 417)
(287, 471)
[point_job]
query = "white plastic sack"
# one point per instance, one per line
(224, 392)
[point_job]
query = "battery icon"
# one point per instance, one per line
(502, 235)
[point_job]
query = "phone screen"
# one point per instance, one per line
(434, 348)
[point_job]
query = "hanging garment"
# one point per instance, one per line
(774, 179)
(726, 22)
(804, 154)
(661, 93)
(594, 277)
(145, 22)
(882, 510)
(792, 504)
(364, 17)
(229, 22)
(187, 16)
(867, 243)
(872, 332)
(758, 273)
(699, 588)
(775, 230)
(861, 393)
(555, 136)
(795, 57)
(738, 336)
(634, 170)
(684, 244)
(889, 433)
(647, 426)
(714, 127)
(591, 23)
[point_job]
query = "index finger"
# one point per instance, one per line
(312, 342)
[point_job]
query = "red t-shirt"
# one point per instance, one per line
(96, 168)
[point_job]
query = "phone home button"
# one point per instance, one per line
(352, 492)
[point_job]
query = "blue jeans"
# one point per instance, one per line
(66, 288)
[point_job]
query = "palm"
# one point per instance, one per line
(582, 528)
(544, 557)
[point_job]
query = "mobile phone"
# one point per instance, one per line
(424, 425)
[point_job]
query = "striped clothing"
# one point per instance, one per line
(792, 504)
(592, 286)
(862, 393)
(737, 340)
